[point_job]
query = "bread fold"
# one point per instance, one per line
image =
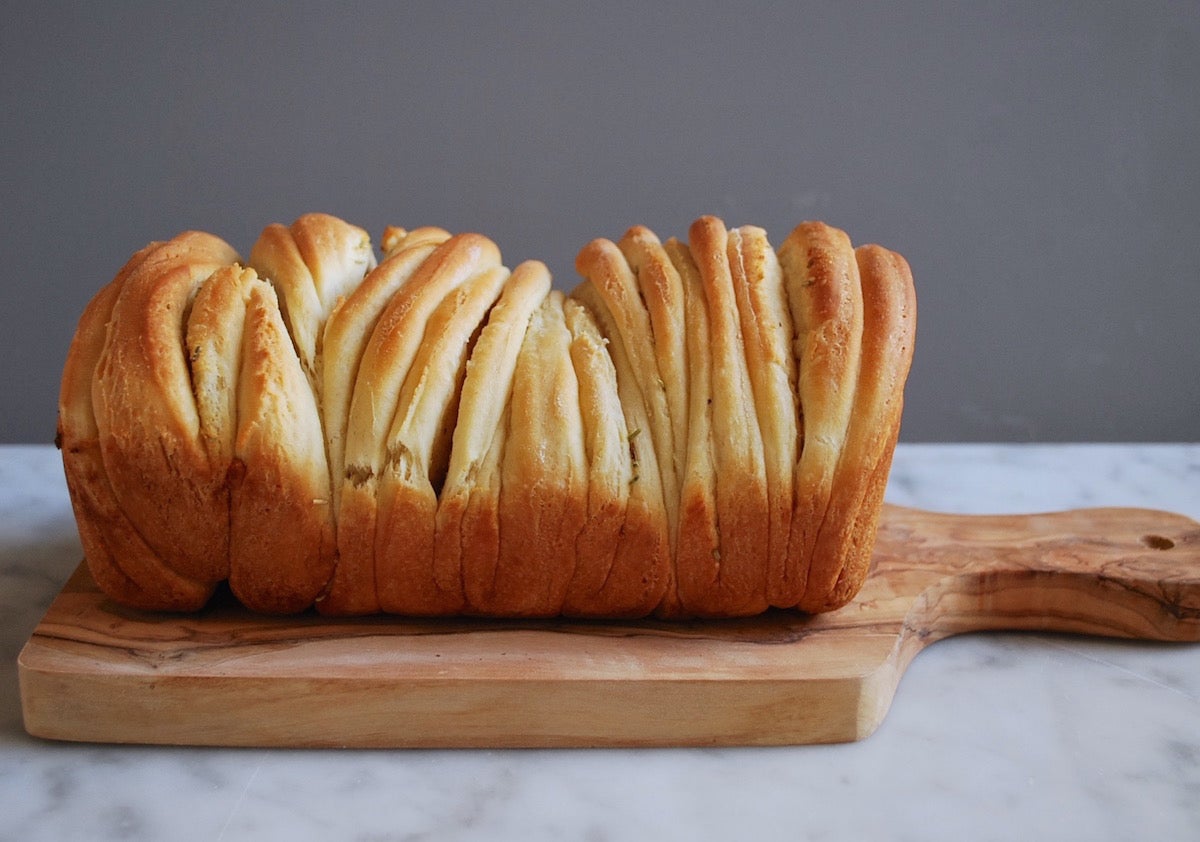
(622, 562)
(767, 332)
(724, 574)
(312, 264)
(418, 449)
(661, 291)
(701, 428)
(118, 557)
(383, 369)
(825, 297)
(889, 330)
(543, 475)
(146, 416)
(350, 325)
(648, 515)
(467, 541)
(280, 499)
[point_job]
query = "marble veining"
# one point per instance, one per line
(991, 736)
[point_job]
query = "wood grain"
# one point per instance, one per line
(93, 671)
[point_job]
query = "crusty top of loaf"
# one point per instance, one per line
(702, 427)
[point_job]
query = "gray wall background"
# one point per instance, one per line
(1036, 163)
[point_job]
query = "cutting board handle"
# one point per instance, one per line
(1115, 572)
(229, 677)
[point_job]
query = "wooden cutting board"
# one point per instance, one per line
(96, 672)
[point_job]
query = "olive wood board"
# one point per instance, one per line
(93, 671)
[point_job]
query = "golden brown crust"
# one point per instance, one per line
(119, 560)
(467, 538)
(661, 291)
(730, 578)
(889, 329)
(608, 467)
(280, 499)
(385, 363)
(418, 450)
(825, 297)
(214, 336)
(396, 239)
(645, 543)
(611, 291)
(543, 491)
(767, 333)
(700, 429)
(146, 417)
(697, 536)
(312, 264)
(349, 328)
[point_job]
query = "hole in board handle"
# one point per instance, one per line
(1157, 542)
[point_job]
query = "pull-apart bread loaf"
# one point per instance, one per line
(700, 429)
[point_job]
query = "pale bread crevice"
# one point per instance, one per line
(312, 263)
(394, 343)
(613, 294)
(607, 459)
(418, 449)
(466, 538)
(648, 526)
(661, 292)
(214, 334)
(349, 328)
(622, 567)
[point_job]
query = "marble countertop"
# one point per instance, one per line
(990, 736)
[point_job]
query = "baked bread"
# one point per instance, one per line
(700, 429)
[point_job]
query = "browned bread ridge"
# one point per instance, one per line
(701, 428)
